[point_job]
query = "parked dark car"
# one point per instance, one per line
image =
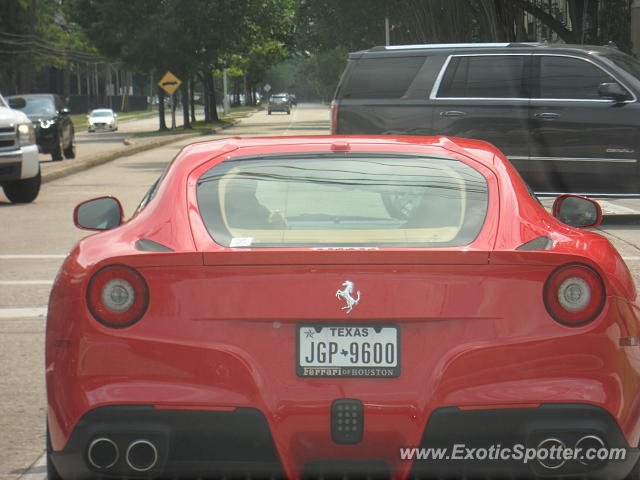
(567, 116)
(279, 102)
(50, 116)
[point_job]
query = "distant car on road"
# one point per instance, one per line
(102, 119)
(279, 102)
(50, 116)
(285, 306)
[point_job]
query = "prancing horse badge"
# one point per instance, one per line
(345, 294)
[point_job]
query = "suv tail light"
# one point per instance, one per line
(334, 117)
(117, 296)
(574, 295)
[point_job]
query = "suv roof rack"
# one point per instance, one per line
(454, 45)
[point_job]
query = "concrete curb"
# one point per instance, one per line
(74, 166)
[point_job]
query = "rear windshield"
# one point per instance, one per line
(337, 200)
(388, 77)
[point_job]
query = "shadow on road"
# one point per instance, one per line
(621, 220)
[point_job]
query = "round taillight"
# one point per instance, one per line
(574, 295)
(117, 296)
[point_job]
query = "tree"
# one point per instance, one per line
(35, 35)
(188, 38)
(359, 24)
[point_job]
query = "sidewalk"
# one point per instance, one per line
(55, 170)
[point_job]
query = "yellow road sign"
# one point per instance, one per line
(169, 83)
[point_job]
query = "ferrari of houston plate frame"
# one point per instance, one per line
(348, 351)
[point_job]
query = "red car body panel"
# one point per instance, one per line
(220, 329)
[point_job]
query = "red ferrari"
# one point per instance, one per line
(342, 307)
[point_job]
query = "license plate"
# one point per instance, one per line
(348, 351)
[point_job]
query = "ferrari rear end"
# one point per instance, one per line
(339, 306)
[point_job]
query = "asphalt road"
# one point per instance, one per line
(101, 142)
(36, 237)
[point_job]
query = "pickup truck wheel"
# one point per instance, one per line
(56, 152)
(23, 191)
(70, 151)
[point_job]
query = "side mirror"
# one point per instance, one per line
(613, 91)
(17, 103)
(577, 211)
(115, 115)
(102, 213)
(65, 111)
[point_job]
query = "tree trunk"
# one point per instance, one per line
(184, 94)
(191, 100)
(549, 20)
(213, 110)
(66, 78)
(205, 97)
(163, 124)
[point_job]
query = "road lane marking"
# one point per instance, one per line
(630, 258)
(612, 208)
(23, 312)
(37, 471)
(292, 120)
(25, 282)
(31, 256)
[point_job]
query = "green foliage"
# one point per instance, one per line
(359, 24)
(35, 35)
(352, 25)
(183, 37)
(310, 77)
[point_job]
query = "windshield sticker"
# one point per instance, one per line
(241, 242)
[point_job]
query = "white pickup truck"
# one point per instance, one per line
(19, 165)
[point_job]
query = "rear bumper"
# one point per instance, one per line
(233, 441)
(508, 438)
(101, 126)
(279, 108)
(186, 442)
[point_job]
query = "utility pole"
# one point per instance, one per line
(27, 79)
(635, 28)
(386, 31)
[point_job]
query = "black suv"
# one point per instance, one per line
(52, 123)
(567, 116)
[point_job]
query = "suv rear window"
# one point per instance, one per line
(357, 200)
(484, 76)
(381, 77)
